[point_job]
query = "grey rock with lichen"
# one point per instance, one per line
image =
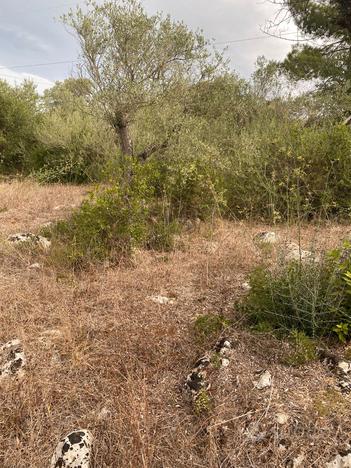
(74, 450)
(28, 237)
(12, 359)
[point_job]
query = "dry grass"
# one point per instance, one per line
(102, 355)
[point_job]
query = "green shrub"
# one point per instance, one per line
(308, 297)
(161, 234)
(209, 326)
(304, 349)
(19, 117)
(202, 403)
(112, 222)
(107, 226)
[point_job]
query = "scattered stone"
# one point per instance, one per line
(35, 266)
(196, 380)
(264, 381)
(343, 373)
(24, 237)
(266, 237)
(341, 368)
(162, 300)
(73, 451)
(224, 348)
(297, 462)
(341, 461)
(282, 418)
(295, 253)
(246, 286)
(12, 359)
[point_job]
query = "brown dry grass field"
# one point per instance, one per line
(101, 355)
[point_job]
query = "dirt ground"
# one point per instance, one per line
(102, 355)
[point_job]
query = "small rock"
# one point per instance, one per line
(23, 237)
(266, 237)
(246, 286)
(225, 362)
(196, 381)
(297, 462)
(340, 461)
(282, 418)
(162, 300)
(12, 359)
(344, 367)
(264, 381)
(44, 242)
(73, 451)
(35, 266)
(295, 253)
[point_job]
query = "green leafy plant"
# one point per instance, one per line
(342, 330)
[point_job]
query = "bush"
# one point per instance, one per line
(209, 326)
(19, 117)
(112, 222)
(304, 349)
(308, 297)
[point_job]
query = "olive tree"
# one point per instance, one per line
(135, 60)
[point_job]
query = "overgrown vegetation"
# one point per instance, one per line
(207, 327)
(216, 143)
(305, 299)
(207, 142)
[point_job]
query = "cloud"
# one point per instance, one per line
(25, 39)
(15, 78)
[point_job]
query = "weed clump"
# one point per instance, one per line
(307, 299)
(304, 349)
(209, 326)
(202, 403)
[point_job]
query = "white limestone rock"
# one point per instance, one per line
(246, 286)
(264, 381)
(163, 300)
(74, 450)
(282, 418)
(340, 462)
(266, 237)
(293, 252)
(12, 359)
(24, 237)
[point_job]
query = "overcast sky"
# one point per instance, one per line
(30, 34)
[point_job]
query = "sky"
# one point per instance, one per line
(31, 34)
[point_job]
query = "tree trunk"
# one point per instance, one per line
(125, 142)
(121, 127)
